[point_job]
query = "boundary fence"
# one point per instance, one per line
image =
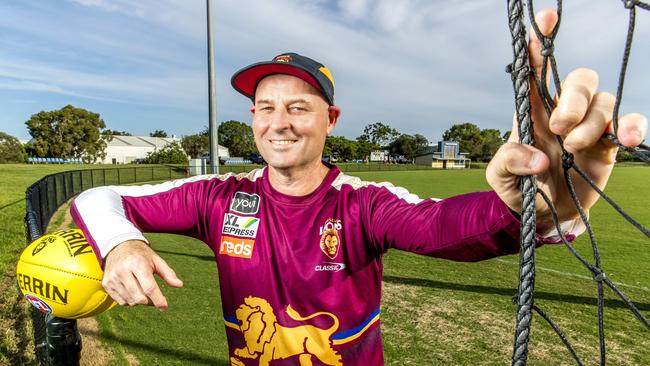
(56, 340)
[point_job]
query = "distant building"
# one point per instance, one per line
(126, 149)
(447, 155)
(379, 155)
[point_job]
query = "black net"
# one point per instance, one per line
(521, 74)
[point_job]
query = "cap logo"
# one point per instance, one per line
(283, 58)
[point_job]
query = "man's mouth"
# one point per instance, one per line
(282, 142)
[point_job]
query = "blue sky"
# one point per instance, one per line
(417, 65)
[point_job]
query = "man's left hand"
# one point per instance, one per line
(581, 117)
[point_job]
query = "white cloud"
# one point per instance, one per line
(419, 65)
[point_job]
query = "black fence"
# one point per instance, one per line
(56, 340)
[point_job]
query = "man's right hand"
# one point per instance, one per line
(128, 275)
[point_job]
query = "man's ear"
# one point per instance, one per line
(333, 115)
(252, 109)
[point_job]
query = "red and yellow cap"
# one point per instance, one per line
(245, 80)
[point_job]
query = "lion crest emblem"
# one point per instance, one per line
(267, 340)
(330, 242)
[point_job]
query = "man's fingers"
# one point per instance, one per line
(166, 272)
(632, 129)
(546, 21)
(577, 93)
(150, 291)
(596, 122)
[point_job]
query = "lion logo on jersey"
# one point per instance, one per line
(330, 241)
(266, 340)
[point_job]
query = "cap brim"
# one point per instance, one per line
(245, 80)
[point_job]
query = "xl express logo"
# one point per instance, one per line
(245, 203)
(240, 225)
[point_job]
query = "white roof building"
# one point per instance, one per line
(126, 149)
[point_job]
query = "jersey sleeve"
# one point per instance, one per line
(469, 227)
(111, 215)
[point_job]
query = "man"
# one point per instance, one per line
(298, 244)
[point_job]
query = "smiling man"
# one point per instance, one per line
(299, 244)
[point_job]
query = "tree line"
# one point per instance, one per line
(76, 133)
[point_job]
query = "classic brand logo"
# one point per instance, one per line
(236, 247)
(245, 203)
(330, 241)
(329, 266)
(240, 225)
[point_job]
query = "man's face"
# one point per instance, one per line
(291, 121)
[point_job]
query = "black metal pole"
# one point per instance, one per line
(212, 95)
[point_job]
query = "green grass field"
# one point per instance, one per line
(433, 312)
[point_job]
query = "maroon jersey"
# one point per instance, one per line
(300, 277)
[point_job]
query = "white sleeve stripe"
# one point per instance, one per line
(356, 183)
(103, 214)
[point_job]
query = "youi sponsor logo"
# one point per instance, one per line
(245, 203)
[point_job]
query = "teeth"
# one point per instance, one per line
(282, 142)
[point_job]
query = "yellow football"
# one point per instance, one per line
(59, 274)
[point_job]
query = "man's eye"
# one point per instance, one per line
(298, 109)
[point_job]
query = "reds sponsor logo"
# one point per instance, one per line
(245, 203)
(330, 240)
(236, 247)
(240, 225)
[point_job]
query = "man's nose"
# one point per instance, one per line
(280, 120)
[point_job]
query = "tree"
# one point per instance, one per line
(171, 153)
(69, 132)
(491, 140)
(467, 135)
(341, 147)
(409, 146)
(158, 133)
(11, 150)
(479, 144)
(196, 145)
(237, 137)
(364, 148)
(115, 133)
(379, 134)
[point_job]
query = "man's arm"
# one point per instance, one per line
(469, 227)
(113, 219)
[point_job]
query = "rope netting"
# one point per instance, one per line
(522, 75)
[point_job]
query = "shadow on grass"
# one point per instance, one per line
(190, 357)
(510, 292)
(201, 257)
